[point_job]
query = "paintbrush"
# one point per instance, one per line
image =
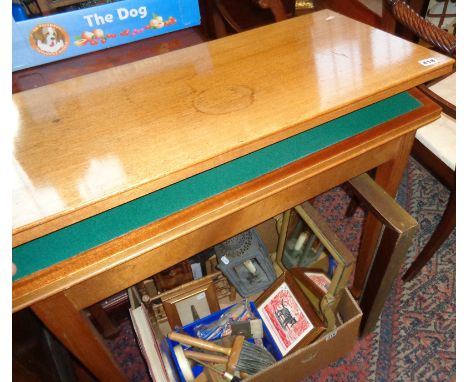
(248, 328)
(242, 356)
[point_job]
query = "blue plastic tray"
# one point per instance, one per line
(190, 330)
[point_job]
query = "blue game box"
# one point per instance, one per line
(41, 40)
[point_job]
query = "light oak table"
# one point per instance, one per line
(94, 155)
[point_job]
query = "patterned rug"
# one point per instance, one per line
(415, 337)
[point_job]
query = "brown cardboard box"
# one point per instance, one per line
(321, 353)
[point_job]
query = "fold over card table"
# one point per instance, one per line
(122, 173)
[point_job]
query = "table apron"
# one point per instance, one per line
(115, 265)
(149, 263)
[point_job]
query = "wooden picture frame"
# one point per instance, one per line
(179, 304)
(329, 248)
(316, 286)
(288, 315)
(314, 279)
(174, 276)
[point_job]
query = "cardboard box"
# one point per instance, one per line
(319, 354)
(58, 36)
(335, 345)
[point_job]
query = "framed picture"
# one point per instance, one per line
(316, 286)
(190, 302)
(174, 276)
(315, 280)
(307, 242)
(288, 315)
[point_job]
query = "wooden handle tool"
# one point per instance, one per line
(243, 356)
(235, 353)
(206, 357)
(197, 356)
(199, 343)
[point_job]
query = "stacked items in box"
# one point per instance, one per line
(298, 309)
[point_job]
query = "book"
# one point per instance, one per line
(153, 345)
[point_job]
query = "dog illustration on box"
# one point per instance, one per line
(49, 39)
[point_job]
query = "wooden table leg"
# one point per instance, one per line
(79, 336)
(388, 177)
(108, 329)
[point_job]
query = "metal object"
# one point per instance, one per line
(245, 261)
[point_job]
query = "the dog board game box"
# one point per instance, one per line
(41, 40)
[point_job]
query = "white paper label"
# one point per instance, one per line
(196, 271)
(225, 260)
(429, 61)
(330, 335)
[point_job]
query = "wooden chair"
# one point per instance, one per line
(224, 17)
(438, 38)
(221, 18)
(434, 146)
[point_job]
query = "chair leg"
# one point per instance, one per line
(443, 230)
(108, 329)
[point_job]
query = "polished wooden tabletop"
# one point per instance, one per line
(90, 143)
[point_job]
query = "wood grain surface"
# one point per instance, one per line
(102, 271)
(90, 143)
